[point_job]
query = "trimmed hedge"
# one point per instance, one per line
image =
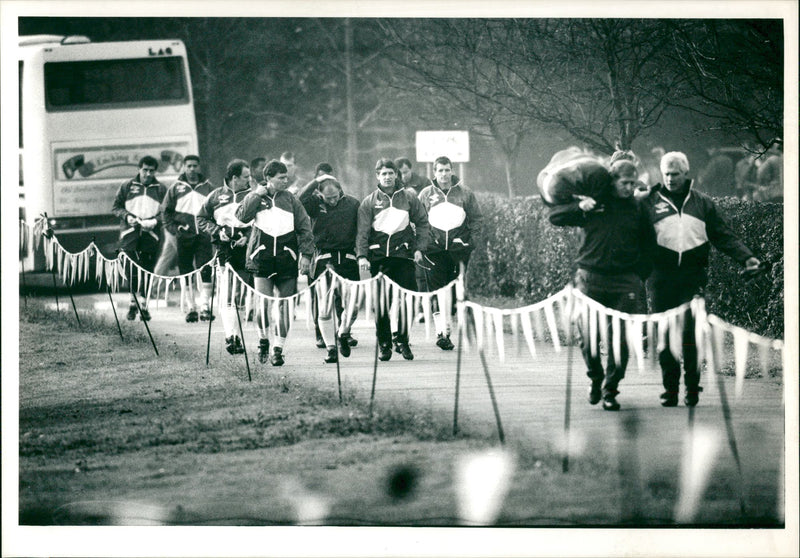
(528, 259)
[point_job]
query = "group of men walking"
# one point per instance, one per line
(664, 232)
(420, 233)
(271, 231)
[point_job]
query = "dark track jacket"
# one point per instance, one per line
(618, 236)
(334, 227)
(134, 198)
(384, 225)
(454, 217)
(280, 226)
(218, 212)
(182, 204)
(685, 235)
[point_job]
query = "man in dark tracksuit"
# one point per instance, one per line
(179, 212)
(334, 215)
(137, 205)
(687, 223)
(386, 242)
(280, 246)
(229, 236)
(455, 224)
(613, 260)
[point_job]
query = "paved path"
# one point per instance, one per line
(530, 392)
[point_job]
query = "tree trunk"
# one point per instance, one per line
(351, 155)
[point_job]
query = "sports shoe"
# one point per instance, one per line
(145, 315)
(395, 342)
(321, 343)
(277, 357)
(206, 315)
(234, 345)
(405, 350)
(692, 397)
(263, 351)
(132, 311)
(352, 341)
(344, 345)
(610, 403)
(191, 316)
(332, 356)
(385, 351)
(595, 394)
(669, 399)
(444, 343)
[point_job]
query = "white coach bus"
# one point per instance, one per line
(88, 112)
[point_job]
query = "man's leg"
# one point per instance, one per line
(263, 285)
(401, 271)
(665, 296)
(594, 363)
(691, 367)
(624, 296)
(285, 287)
(444, 269)
(186, 265)
(383, 328)
(203, 252)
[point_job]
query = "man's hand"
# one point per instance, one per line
(363, 264)
(131, 219)
(418, 257)
(183, 227)
(752, 264)
(305, 265)
(587, 204)
(149, 224)
(241, 241)
(223, 236)
(261, 190)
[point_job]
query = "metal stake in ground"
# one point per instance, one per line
(568, 400)
(108, 288)
(24, 285)
(458, 381)
(378, 286)
(74, 309)
(211, 307)
(147, 327)
(726, 413)
(336, 340)
(491, 394)
(244, 345)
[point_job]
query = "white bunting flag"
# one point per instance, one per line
(741, 343)
(700, 450)
(551, 323)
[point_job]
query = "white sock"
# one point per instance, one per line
(439, 323)
(278, 342)
(326, 328)
(205, 294)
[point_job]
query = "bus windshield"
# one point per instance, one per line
(106, 84)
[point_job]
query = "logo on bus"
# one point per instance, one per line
(85, 166)
(161, 51)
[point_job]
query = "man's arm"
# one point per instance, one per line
(251, 205)
(364, 227)
(723, 238)
(205, 217)
(420, 219)
(571, 214)
(167, 212)
(118, 208)
(475, 216)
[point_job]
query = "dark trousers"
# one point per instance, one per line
(669, 294)
(618, 292)
(142, 248)
(194, 251)
(401, 271)
(444, 267)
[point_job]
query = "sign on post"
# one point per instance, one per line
(453, 144)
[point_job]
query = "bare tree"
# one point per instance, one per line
(455, 71)
(733, 73)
